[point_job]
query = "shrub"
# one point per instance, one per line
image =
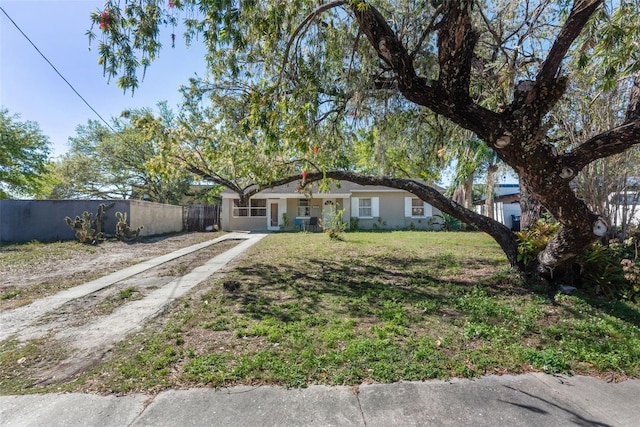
(286, 222)
(334, 225)
(611, 270)
(535, 239)
(449, 222)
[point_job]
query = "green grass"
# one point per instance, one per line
(375, 307)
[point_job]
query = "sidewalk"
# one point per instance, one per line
(523, 400)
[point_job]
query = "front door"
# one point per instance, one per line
(273, 213)
(328, 210)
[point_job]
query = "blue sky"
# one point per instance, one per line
(31, 88)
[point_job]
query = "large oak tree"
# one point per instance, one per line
(313, 77)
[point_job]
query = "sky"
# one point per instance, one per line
(31, 88)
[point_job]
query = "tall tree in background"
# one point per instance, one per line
(24, 152)
(324, 71)
(127, 163)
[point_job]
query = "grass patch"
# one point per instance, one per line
(375, 307)
(20, 361)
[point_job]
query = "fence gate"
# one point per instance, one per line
(201, 217)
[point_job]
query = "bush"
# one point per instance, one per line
(535, 239)
(611, 270)
(449, 222)
(334, 225)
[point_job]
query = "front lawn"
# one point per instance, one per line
(376, 307)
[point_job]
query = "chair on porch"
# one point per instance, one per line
(298, 224)
(313, 224)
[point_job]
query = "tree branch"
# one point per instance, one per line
(606, 144)
(456, 43)
(428, 29)
(299, 28)
(545, 92)
(633, 109)
(465, 113)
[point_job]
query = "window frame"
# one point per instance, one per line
(307, 208)
(361, 207)
(415, 208)
(252, 210)
(426, 208)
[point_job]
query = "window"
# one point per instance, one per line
(417, 207)
(364, 208)
(304, 208)
(257, 208)
(239, 209)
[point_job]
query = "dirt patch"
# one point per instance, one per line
(90, 324)
(31, 271)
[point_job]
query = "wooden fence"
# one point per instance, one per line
(202, 217)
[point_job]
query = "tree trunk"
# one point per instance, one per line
(489, 203)
(530, 209)
(463, 194)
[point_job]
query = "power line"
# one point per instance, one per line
(58, 72)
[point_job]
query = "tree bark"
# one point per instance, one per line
(530, 209)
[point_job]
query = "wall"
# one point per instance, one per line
(230, 223)
(392, 214)
(156, 218)
(43, 220)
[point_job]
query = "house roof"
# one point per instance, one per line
(336, 189)
(504, 198)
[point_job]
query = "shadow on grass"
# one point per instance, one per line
(618, 309)
(354, 287)
(364, 289)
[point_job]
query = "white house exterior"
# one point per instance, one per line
(506, 205)
(374, 207)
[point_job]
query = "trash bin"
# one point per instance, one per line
(515, 222)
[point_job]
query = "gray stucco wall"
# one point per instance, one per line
(43, 220)
(156, 218)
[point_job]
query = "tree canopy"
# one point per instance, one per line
(381, 91)
(124, 160)
(24, 151)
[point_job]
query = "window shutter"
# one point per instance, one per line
(407, 207)
(375, 207)
(428, 210)
(355, 207)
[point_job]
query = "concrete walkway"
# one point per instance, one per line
(523, 400)
(106, 330)
(16, 320)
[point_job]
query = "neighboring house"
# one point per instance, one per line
(372, 206)
(506, 205)
(625, 208)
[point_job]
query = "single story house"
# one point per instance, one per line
(367, 207)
